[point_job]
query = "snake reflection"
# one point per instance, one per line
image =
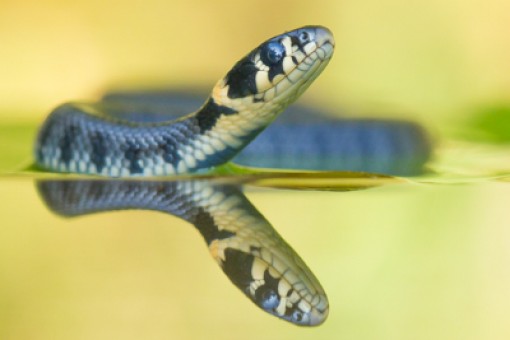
(245, 245)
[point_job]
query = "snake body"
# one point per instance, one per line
(83, 138)
(250, 252)
(304, 138)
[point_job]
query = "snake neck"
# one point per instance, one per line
(228, 125)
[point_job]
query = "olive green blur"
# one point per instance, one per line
(422, 258)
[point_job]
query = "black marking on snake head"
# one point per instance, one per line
(295, 41)
(275, 70)
(237, 266)
(133, 154)
(241, 78)
(65, 144)
(209, 114)
(209, 230)
(98, 156)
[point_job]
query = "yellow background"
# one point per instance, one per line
(431, 60)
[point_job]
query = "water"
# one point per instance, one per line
(416, 258)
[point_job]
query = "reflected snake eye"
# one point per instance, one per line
(272, 53)
(297, 315)
(270, 299)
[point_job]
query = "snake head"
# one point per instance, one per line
(278, 282)
(277, 71)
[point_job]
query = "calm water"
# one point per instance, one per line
(422, 258)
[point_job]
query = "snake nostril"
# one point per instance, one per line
(297, 315)
(304, 37)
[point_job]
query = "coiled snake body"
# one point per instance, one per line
(82, 138)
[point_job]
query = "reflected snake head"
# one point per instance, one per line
(293, 294)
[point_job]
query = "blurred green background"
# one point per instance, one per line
(429, 60)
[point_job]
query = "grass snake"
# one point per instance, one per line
(84, 138)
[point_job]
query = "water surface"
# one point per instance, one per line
(417, 258)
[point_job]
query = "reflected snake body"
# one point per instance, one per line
(84, 138)
(250, 252)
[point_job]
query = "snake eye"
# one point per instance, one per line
(304, 37)
(270, 299)
(272, 53)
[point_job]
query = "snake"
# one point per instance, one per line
(106, 139)
(305, 139)
(250, 252)
(83, 138)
